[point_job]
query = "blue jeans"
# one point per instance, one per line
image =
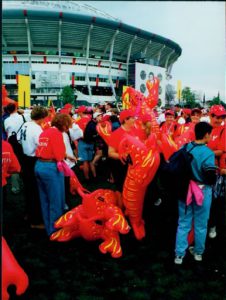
(200, 215)
(85, 151)
(51, 192)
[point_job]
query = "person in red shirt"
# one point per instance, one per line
(10, 164)
(169, 126)
(119, 170)
(218, 145)
(51, 149)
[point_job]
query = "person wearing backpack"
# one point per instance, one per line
(12, 126)
(204, 176)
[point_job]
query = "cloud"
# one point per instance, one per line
(198, 27)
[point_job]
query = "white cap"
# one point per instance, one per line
(96, 114)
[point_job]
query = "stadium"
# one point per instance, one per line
(69, 43)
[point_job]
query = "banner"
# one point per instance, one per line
(146, 72)
(179, 90)
(125, 101)
(24, 91)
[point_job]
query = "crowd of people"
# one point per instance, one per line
(72, 135)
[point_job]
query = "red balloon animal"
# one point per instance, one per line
(144, 164)
(97, 217)
(12, 273)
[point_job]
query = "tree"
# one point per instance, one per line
(216, 101)
(67, 95)
(188, 97)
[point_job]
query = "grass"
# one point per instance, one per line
(76, 270)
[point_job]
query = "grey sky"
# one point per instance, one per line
(198, 27)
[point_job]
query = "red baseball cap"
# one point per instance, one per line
(126, 114)
(65, 111)
(218, 110)
(68, 106)
(145, 118)
(169, 112)
(81, 109)
(187, 111)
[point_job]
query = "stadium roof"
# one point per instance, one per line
(47, 28)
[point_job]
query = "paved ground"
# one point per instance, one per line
(77, 270)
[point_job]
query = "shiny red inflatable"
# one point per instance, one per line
(104, 130)
(98, 217)
(144, 164)
(6, 100)
(12, 273)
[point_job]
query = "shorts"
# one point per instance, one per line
(85, 151)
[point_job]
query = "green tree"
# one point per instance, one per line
(188, 97)
(217, 101)
(67, 95)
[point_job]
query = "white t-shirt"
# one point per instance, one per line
(161, 118)
(205, 119)
(29, 136)
(13, 123)
(181, 120)
(69, 150)
(75, 132)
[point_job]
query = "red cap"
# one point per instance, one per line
(145, 118)
(126, 114)
(81, 109)
(65, 111)
(169, 112)
(187, 111)
(218, 110)
(68, 105)
(106, 118)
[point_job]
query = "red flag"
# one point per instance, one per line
(73, 79)
(97, 80)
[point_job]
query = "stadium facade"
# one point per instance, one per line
(61, 43)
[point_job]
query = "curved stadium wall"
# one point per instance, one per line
(94, 55)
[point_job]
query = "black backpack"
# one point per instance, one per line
(176, 173)
(90, 132)
(17, 147)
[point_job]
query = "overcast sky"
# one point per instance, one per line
(199, 29)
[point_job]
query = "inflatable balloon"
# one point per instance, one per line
(12, 273)
(5, 99)
(98, 217)
(143, 165)
(104, 130)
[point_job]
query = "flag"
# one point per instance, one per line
(125, 99)
(179, 90)
(117, 82)
(24, 91)
(97, 80)
(73, 80)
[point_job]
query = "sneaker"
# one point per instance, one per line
(212, 232)
(15, 191)
(37, 226)
(178, 260)
(191, 250)
(158, 202)
(197, 257)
